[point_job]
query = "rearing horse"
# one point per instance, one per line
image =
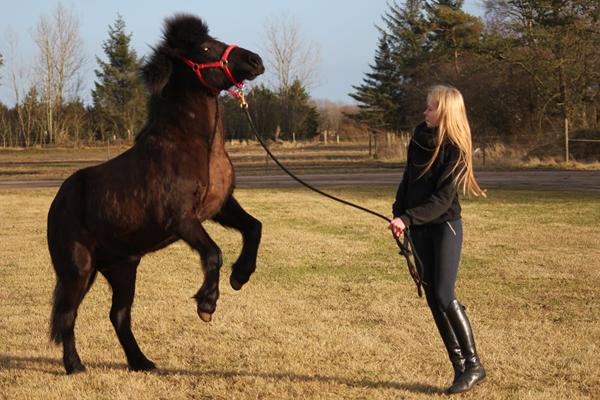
(176, 175)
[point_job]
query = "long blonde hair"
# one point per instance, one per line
(453, 123)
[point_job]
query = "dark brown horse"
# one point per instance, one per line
(177, 175)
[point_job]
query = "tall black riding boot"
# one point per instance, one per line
(474, 372)
(450, 341)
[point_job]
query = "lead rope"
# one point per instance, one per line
(405, 248)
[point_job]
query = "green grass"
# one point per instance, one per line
(331, 311)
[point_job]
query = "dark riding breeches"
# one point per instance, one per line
(438, 246)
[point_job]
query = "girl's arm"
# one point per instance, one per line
(397, 209)
(441, 199)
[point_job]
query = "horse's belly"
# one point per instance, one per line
(220, 186)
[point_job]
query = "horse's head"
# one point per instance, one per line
(187, 45)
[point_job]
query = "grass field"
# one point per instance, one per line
(331, 311)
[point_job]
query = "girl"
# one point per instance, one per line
(438, 164)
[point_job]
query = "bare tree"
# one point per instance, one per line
(330, 115)
(288, 56)
(1, 64)
(60, 63)
(21, 84)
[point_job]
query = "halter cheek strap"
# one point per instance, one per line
(223, 64)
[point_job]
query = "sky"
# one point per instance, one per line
(344, 30)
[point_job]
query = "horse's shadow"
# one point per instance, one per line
(54, 366)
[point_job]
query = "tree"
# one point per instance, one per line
(288, 56)
(451, 30)
(264, 110)
(421, 43)
(555, 44)
(388, 96)
(5, 126)
(60, 63)
(28, 117)
(298, 118)
(119, 95)
(377, 95)
(1, 64)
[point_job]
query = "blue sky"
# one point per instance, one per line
(345, 31)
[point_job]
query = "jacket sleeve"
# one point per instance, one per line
(443, 195)
(397, 208)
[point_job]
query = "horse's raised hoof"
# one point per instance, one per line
(204, 316)
(235, 284)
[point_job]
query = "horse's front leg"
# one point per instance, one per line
(193, 233)
(232, 215)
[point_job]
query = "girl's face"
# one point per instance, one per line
(431, 118)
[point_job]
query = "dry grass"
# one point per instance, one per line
(499, 156)
(330, 313)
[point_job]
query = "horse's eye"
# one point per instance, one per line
(205, 49)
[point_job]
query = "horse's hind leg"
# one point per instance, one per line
(232, 215)
(192, 232)
(74, 277)
(121, 278)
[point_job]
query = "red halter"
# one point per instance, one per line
(222, 63)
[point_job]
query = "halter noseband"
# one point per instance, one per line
(223, 64)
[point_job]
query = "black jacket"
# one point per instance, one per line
(433, 197)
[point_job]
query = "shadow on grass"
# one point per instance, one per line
(54, 366)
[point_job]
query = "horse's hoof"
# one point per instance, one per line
(235, 284)
(76, 369)
(204, 316)
(73, 365)
(145, 365)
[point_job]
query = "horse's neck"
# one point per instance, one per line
(199, 116)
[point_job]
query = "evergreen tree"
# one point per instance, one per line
(264, 109)
(119, 94)
(387, 96)
(265, 106)
(377, 95)
(421, 43)
(298, 116)
(452, 31)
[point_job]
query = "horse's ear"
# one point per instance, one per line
(157, 70)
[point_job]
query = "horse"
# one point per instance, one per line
(176, 175)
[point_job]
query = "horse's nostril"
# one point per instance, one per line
(254, 60)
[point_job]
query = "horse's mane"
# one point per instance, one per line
(182, 34)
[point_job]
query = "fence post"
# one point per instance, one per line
(566, 139)
(484, 147)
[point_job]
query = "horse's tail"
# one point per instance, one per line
(58, 322)
(65, 238)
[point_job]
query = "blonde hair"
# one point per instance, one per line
(453, 124)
